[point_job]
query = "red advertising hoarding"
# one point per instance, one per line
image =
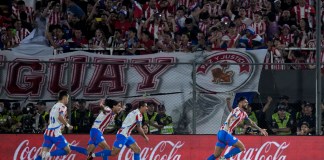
(176, 147)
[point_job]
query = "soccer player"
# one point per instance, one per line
(123, 137)
(225, 136)
(109, 109)
(53, 133)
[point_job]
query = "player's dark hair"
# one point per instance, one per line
(141, 104)
(241, 99)
(62, 94)
(110, 103)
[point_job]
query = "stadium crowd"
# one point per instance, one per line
(146, 27)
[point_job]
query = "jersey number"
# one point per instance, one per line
(52, 120)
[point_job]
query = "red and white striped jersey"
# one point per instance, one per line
(286, 39)
(29, 11)
(54, 126)
(233, 40)
(155, 30)
(22, 33)
(215, 10)
(238, 115)
(54, 18)
(104, 119)
(130, 122)
(259, 27)
(203, 27)
(148, 11)
(303, 12)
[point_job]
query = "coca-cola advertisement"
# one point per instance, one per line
(176, 147)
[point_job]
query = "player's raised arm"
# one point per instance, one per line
(262, 131)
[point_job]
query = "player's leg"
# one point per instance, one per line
(133, 145)
(220, 145)
(95, 138)
(47, 144)
(118, 145)
(105, 150)
(237, 144)
(62, 145)
(42, 153)
(218, 151)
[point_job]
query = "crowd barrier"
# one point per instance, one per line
(176, 147)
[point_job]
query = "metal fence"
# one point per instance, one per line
(197, 107)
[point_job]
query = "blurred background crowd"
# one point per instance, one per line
(128, 27)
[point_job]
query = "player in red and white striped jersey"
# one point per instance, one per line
(133, 119)
(225, 136)
(109, 109)
(53, 133)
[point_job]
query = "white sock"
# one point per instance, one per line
(93, 155)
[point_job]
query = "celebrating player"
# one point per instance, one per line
(53, 133)
(123, 137)
(109, 109)
(225, 136)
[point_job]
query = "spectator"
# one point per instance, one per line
(308, 117)
(184, 44)
(54, 13)
(166, 43)
(304, 130)
(286, 38)
(42, 110)
(286, 18)
(23, 9)
(78, 40)
(164, 120)
(146, 42)
(190, 30)
(117, 42)
(250, 39)
(99, 41)
(21, 32)
(259, 25)
(303, 10)
(74, 9)
(123, 23)
(201, 43)
(32, 121)
(281, 121)
(83, 118)
(132, 42)
(10, 38)
(146, 128)
(231, 38)
(180, 16)
(150, 119)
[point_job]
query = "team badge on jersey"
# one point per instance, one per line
(225, 71)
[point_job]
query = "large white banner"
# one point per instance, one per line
(165, 78)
